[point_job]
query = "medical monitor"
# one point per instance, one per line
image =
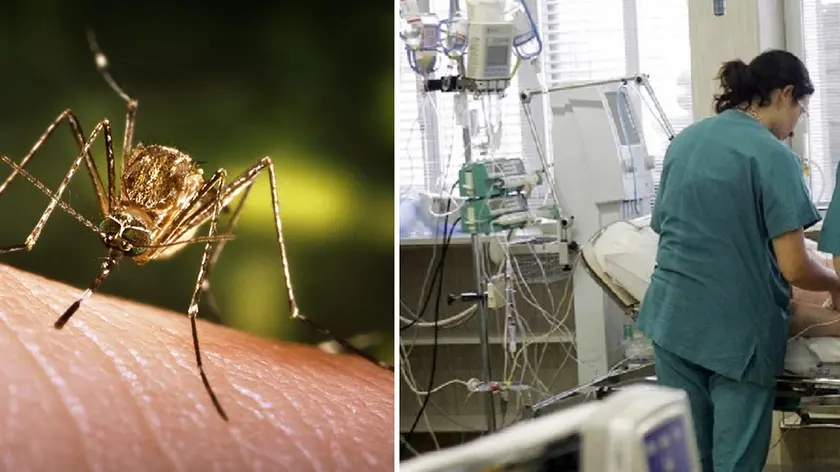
(640, 428)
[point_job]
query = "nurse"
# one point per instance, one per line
(830, 232)
(730, 214)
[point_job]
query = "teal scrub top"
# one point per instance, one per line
(830, 232)
(716, 296)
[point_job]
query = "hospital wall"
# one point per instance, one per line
(748, 28)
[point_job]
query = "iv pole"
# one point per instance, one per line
(478, 255)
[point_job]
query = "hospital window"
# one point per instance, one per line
(816, 29)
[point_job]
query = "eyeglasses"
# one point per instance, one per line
(804, 113)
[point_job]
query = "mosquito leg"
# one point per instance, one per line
(217, 179)
(102, 65)
(105, 128)
(200, 211)
(207, 292)
(76, 130)
(130, 117)
(343, 342)
(128, 137)
(43, 188)
(242, 184)
(107, 266)
(265, 163)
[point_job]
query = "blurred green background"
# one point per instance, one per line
(309, 85)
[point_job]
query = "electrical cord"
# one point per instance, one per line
(451, 322)
(438, 271)
(436, 328)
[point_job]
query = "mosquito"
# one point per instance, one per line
(162, 202)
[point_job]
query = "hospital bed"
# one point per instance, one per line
(621, 257)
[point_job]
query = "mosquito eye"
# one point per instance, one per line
(138, 240)
(109, 226)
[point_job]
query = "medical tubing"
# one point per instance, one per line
(536, 32)
(622, 94)
(433, 367)
(447, 237)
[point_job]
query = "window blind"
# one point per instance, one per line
(410, 156)
(820, 25)
(665, 55)
(584, 40)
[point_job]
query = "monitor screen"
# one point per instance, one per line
(625, 123)
(667, 447)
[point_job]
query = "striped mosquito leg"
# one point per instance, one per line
(76, 130)
(266, 163)
(219, 246)
(105, 128)
(217, 179)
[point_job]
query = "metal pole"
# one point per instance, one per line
(465, 136)
(665, 122)
(640, 79)
(548, 168)
(483, 332)
(630, 78)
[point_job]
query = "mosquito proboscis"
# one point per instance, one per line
(162, 201)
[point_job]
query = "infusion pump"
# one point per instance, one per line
(641, 428)
(490, 35)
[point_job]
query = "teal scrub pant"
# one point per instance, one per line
(732, 419)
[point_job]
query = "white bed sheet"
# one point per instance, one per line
(623, 255)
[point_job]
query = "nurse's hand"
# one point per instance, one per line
(834, 301)
(118, 389)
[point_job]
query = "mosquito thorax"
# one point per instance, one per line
(125, 233)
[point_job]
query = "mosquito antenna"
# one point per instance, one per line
(43, 188)
(113, 258)
(102, 66)
(201, 239)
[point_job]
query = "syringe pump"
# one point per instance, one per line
(492, 177)
(499, 213)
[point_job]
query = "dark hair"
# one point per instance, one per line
(773, 69)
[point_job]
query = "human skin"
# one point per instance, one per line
(117, 389)
(809, 317)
